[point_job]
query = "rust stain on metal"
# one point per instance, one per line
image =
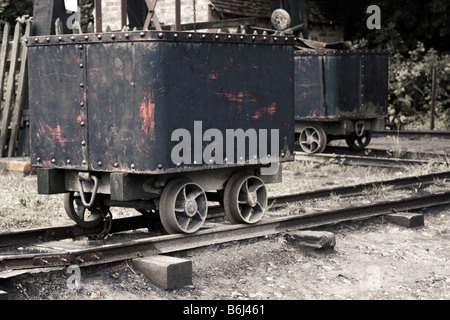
(56, 133)
(267, 110)
(212, 76)
(147, 114)
(315, 113)
(238, 97)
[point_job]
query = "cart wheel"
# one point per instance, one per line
(245, 198)
(183, 206)
(393, 122)
(358, 143)
(149, 210)
(313, 139)
(84, 217)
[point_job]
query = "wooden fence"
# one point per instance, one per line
(13, 91)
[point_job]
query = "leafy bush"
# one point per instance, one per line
(410, 85)
(12, 9)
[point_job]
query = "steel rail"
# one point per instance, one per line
(384, 153)
(101, 254)
(359, 160)
(444, 134)
(23, 237)
(354, 190)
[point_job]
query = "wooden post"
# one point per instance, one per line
(177, 15)
(124, 13)
(98, 16)
(3, 57)
(433, 99)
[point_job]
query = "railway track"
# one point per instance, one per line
(53, 253)
(412, 133)
(83, 255)
(343, 158)
(24, 237)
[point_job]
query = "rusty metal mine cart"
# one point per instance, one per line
(339, 94)
(108, 111)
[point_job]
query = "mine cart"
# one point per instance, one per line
(161, 121)
(339, 94)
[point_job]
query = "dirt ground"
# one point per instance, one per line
(372, 260)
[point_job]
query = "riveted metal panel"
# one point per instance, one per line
(374, 73)
(338, 85)
(143, 86)
(57, 97)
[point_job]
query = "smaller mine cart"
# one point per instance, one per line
(339, 94)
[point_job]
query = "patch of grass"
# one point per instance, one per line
(300, 167)
(377, 190)
(22, 207)
(442, 183)
(335, 197)
(429, 167)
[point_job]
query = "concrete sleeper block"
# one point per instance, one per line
(405, 219)
(3, 295)
(164, 271)
(315, 239)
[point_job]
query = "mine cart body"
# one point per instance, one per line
(344, 92)
(119, 107)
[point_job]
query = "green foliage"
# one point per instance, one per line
(10, 10)
(417, 35)
(403, 23)
(410, 83)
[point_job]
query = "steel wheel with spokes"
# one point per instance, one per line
(183, 206)
(245, 199)
(313, 139)
(84, 217)
(358, 143)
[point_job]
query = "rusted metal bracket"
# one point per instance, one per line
(359, 128)
(85, 176)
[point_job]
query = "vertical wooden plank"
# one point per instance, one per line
(124, 13)
(433, 98)
(45, 12)
(98, 16)
(3, 57)
(177, 15)
(10, 88)
(59, 27)
(20, 95)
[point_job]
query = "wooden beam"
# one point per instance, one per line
(124, 13)
(214, 24)
(151, 4)
(98, 16)
(177, 15)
